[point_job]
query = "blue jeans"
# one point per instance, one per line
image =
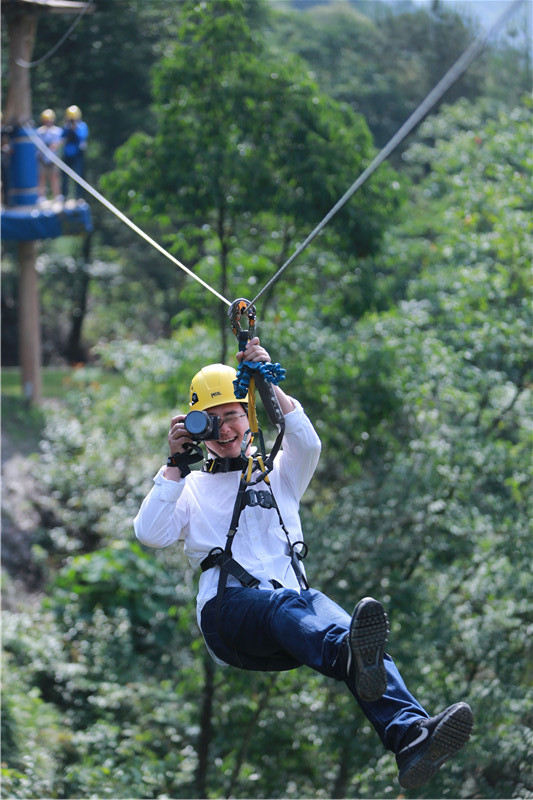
(77, 164)
(278, 630)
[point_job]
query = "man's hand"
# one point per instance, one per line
(253, 352)
(179, 439)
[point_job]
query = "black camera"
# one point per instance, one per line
(201, 425)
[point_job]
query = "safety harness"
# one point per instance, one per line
(222, 557)
(252, 375)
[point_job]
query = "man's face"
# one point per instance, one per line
(232, 425)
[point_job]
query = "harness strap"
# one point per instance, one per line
(275, 415)
(217, 558)
(297, 555)
(219, 464)
(227, 564)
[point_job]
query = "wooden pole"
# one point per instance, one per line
(22, 18)
(29, 323)
(22, 27)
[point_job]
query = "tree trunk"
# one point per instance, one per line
(247, 733)
(341, 779)
(74, 351)
(206, 727)
(223, 317)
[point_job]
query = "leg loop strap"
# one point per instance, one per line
(227, 564)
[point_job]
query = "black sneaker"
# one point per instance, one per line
(368, 633)
(430, 742)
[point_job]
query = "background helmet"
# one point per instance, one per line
(73, 112)
(48, 115)
(213, 386)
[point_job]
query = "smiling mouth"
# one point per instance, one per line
(224, 442)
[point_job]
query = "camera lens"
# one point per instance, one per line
(197, 423)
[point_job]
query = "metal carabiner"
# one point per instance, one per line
(235, 312)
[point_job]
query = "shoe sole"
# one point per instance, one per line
(452, 733)
(369, 629)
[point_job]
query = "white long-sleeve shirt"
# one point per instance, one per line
(197, 510)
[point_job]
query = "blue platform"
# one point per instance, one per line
(24, 218)
(48, 221)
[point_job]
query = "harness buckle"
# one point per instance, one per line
(260, 498)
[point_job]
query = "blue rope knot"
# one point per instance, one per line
(271, 373)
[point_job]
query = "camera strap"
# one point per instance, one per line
(182, 460)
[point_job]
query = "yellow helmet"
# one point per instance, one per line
(73, 112)
(213, 386)
(48, 115)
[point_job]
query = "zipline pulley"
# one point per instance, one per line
(235, 312)
(252, 373)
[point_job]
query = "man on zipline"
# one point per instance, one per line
(257, 611)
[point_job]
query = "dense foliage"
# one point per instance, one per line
(421, 499)
(354, 64)
(236, 126)
(413, 361)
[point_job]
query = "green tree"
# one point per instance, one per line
(245, 152)
(382, 64)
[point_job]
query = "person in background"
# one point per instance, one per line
(50, 134)
(7, 130)
(75, 136)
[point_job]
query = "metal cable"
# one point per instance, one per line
(101, 199)
(453, 74)
(27, 64)
(460, 66)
